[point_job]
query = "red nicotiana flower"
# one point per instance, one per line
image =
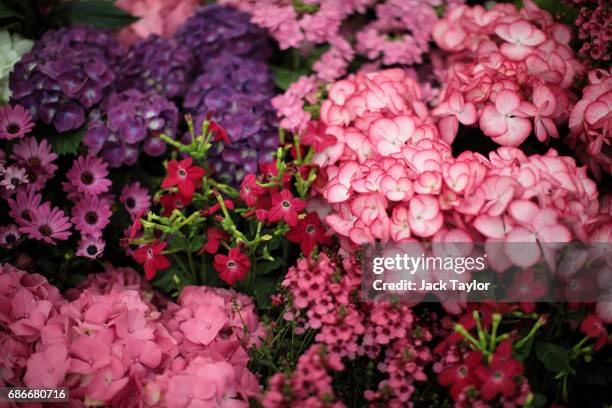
(309, 233)
(183, 175)
(461, 375)
(232, 267)
(152, 259)
(499, 376)
(220, 133)
(214, 236)
(250, 191)
(592, 326)
(173, 201)
(285, 207)
(229, 204)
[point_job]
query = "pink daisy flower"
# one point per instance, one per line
(135, 198)
(14, 177)
(37, 158)
(9, 236)
(48, 224)
(15, 122)
(22, 206)
(90, 215)
(88, 175)
(90, 247)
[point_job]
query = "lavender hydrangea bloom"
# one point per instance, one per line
(214, 29)
(159, 64)
(237, 95)
(127, 120)
(66, 74)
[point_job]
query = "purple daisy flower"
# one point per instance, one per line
(9, 236)
(15, 122)
(91, 246)
(90, 215)
(88, 175)
(48, 224)
(37, 158)
(23, 205)
(65, 75)
(135, 198)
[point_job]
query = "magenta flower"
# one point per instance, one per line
(47, 224)
(13, 177)
(9, 236)
(90, 215)
(37, 158)
(15, 122)
(135, 198)
(88, 175)
(47, 368)
(23, 204)
(91, 246)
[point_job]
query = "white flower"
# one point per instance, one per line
(12, 47)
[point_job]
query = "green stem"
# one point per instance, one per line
(203, 274)
(192, 268)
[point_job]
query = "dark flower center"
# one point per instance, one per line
(231, 264)
(92, 250)
(130, 202)
(34, 162)
(13, 128)
(15, 181)
(87, 177)
(91, 217)
(310, 229)
(497, 375)
(45, 230)
(463, 371)
(25, 214)
(182, 173)
(10, 238)
(286, 204)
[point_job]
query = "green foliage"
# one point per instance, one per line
(67, 143)
(97, 13)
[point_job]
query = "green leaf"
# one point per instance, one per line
(97, 13)
(264, 268)
(285, 77)
(67, 143)
(7, 12)
(538, 401)
(554, 357)
(264, 287)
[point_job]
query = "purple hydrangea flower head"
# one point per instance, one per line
(159, 64)
(128, 122)
(236, 93)
(214, 29)
(67, 73)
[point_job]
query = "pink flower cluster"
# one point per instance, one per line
(27, 302)
(594, 30)
(321, 298)
(400, 34)
(512, 73)
(590, 123)
(309, 386)
(388, 176)
(111, 346)
(161, 17)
